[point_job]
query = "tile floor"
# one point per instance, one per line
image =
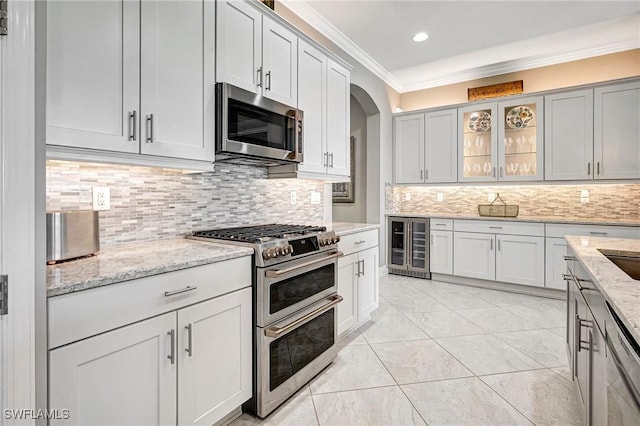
(443, 354)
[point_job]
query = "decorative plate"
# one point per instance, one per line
(479, 121)
(519, 117)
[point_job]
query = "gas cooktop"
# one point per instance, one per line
(259, 233)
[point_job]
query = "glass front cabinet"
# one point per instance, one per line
(408, 252)
(501, 141)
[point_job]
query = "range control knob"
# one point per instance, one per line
(288, 249)
(324, 241)
(337, 238)
(268, 254)
(279, 251)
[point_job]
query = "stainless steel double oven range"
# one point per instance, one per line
(295, 277)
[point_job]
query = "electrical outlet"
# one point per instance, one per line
(584, 196)
(101, 198)
(440, 196)
(315, 197)
(491, 196)
(407, 196)
(293, 197)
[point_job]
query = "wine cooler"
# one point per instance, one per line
(408, 252)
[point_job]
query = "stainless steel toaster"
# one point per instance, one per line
(72, 234)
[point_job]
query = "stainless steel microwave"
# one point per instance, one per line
(253, 128)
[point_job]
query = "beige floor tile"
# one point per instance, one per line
(419, 361)
(542, 396)
(486, 354)
(460, 300)
(543, 315)
(368, 407)
(540, 345)
(444, 324)
(356, 367)
(462, 402)
(416, 303)
(353, 338)
(391, 328)
(497, 319)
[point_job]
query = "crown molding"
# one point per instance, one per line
(326, 28)
(395, 79)
(519, 65)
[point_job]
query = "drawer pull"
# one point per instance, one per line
(598, 233)
(440, 224)
(495, 227)
(569, 258)
(180, 291)
(360, 242)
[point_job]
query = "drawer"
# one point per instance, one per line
(499, 227)
(78, 315)
(441, 224)
(357, 242)
(559, 230)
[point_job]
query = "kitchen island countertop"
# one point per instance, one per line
(619, 289)
(136, 260)
(538, 219)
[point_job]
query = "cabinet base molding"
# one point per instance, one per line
(501, 286)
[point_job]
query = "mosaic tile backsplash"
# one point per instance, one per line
(606, 201)
(151, 203)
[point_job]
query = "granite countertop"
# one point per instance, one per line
(346, 228)
(619, 289)
(136, 260)
(543, 219)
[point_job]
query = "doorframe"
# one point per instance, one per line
(21, 198)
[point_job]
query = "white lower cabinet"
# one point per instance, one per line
(556, 267)
(185, 359)
(474, 255)
(358, 279)
(441, 253)
(123, 377)
(520, 259)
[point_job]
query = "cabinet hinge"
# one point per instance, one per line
(3, 17)
(4, 294)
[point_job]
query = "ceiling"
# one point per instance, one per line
(469, 39)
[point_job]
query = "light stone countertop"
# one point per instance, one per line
(543, 219)
(619, 289)
(136, 260)
(346, 228)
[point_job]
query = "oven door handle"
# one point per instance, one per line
(278, 331)
(277, 273)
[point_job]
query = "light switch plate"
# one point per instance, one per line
(293, 197)
(440, 196)
(584, 196)
(315, 197)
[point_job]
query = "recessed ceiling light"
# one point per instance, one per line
(420, 37)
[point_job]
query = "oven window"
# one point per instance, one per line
(293, 351)
(295, 289)
(256, 126)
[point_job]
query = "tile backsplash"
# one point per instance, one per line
(152, 203)
(606, 201)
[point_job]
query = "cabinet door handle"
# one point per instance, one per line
(426, 174)
(268, 78)
(589, 168)
(491, 244)
(150, 128)
(598, 168)
(331, 156)
(431, 239)
(259, 77)
(362, 267)
(494, 171)
(567, 277)
(182, 290)
(172, 354)
(421, 174)
(189, 348)
(326, 159)
(583, 323)
(133, 120)
(501, 173)
(498, 244)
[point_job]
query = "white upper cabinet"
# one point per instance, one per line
(478, 143)
(239, 45)
(425, 147)
(93, 53)
(440, 152)
(617, 131)
(569, 135)
(133, 77)
(338, 116)
(256, 53)
(520, 139)
(409, 148)
(279, 62)
(312, 95)
(177, 84)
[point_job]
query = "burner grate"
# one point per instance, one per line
(253, 234)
